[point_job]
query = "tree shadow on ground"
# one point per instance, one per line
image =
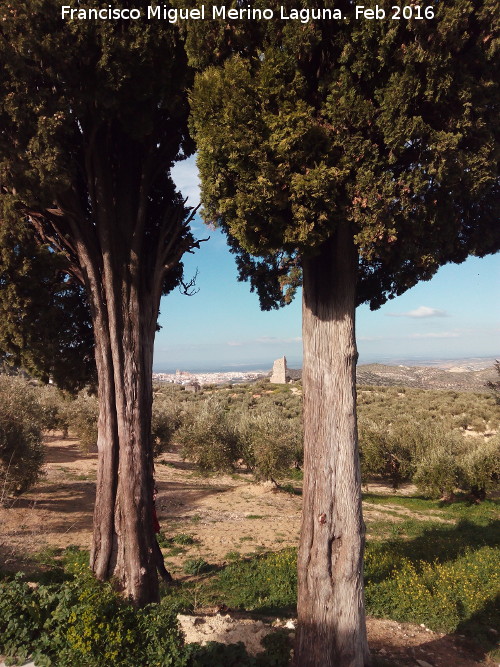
(438, 543)
(69, 451)
(450, 650)
(484, 626)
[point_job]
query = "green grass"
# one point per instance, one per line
(442, 574)
(462, 506)
(183, 538)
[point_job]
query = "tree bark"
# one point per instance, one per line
(331, 620)
(123, 538)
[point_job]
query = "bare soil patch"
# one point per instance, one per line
(224, 514)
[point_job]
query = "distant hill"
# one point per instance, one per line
(426, 377)
(459, 376)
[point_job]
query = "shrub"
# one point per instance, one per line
(53, 408)
(479, 468)
(21, 447)
(437, 473)
(214, 654)
(183, 538)
(21, 619)
(166, 420)
(388, 452)
(195, 566)
(207, 437)
(270, 443)
(83, 622)
(424, 452)
(494, 385)
(82, 414)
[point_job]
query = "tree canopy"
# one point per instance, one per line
(390, 125)
(45, 324)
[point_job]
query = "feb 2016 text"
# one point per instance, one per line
(303, 15)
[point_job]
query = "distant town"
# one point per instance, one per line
(466, 373)
(188, 378)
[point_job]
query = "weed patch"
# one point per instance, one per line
(444, 596)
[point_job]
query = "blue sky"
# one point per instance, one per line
(455, 315)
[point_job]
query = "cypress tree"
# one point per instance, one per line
(93, 114)
(359, 156)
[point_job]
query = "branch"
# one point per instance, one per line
(188, 288)
(43, 222)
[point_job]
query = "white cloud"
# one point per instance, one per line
(421, 311)
(437, 334)
(263, 340)
(274, 339)
(185, 175)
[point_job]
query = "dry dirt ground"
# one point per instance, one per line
(223, 514)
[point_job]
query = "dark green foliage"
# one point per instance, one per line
(389, 125)
(44, 318)
(278, 646)
(195, 566)
(86, 146)
(277, 653)
(21, 619)
(214, 654)
(21, 447)
(83, 622)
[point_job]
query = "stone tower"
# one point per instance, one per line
(280, 372)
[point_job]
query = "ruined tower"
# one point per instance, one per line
(280, 372)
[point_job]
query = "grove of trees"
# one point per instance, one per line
(354, 156)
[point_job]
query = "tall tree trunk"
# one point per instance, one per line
(331, 621)
(123, 229)
(124, 328)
